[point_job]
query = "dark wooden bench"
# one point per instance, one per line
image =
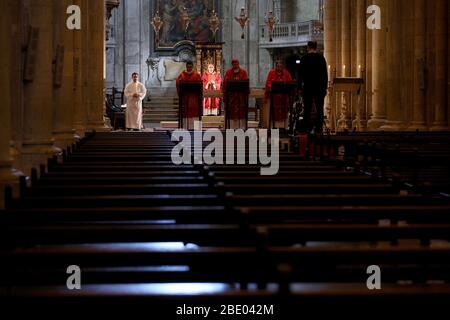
(117, 206)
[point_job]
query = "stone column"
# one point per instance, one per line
(448, 62)
(330, 40)
(95, 60)
(110, 5)
(430, 65)
(253, 46)
(394, 54)
(37, 143)
(110, 54)
(378, 117)
(18, 25)
(63, 94)
(7, 173)
(419, 112)
(81, 119)
(440, 112)
(361, 62)
(343, 122)
(79, 104)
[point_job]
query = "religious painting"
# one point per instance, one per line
(176, 27)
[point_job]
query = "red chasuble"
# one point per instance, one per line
(208, 78)
(280, 101)
(237, 100)
(189, 102)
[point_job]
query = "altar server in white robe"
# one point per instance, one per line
(134, 92)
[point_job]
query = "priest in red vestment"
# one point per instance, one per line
(211, 81)
(190, 101)
(280, 101)
(237, 102)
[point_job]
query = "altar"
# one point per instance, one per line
(219, 121)
(188, 31)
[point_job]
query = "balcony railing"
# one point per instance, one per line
(291, 34)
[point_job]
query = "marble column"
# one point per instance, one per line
(8, 175)
(63, 94)
(394, 54)
(440, 113)
(95, 60)
(378, 117)
(330, 42)
(37, 143)
(418, 111)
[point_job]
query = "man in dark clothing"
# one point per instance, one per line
(313, 81)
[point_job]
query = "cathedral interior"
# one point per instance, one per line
(95, 212)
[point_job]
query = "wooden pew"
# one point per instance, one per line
(249, 229)
(247, 264)
(135, 299)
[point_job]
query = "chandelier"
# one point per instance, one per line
(271, 21)
(185, 22)
(214, 23)
(156, 23)
(242, 19)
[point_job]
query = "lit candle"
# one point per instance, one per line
(329, 71)
(343, 70)
(359, 70)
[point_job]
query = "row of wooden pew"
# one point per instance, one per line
(146, 232)
(418, 160)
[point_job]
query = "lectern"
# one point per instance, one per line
(348, 85)
(239, 87)
(187, 88)
(214, 94)
(286, 88)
